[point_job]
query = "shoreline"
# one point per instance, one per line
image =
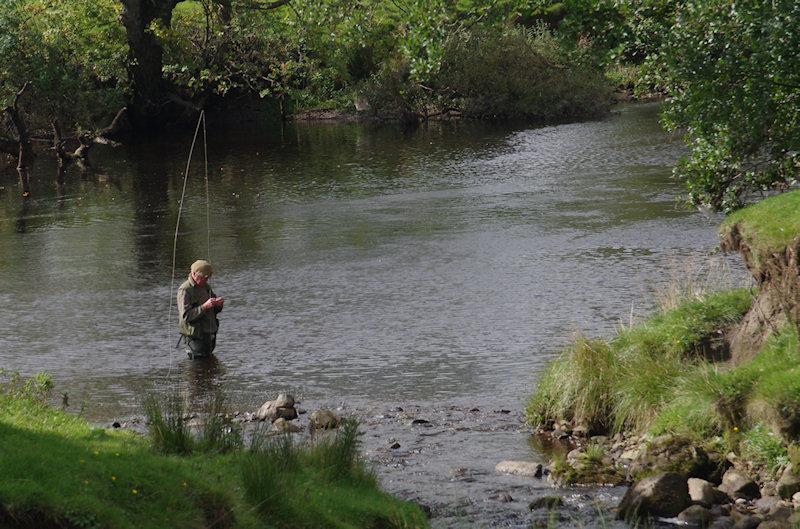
(445, 458)
(722, 490)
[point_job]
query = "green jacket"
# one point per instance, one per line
(194, 321)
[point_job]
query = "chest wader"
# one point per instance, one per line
(199, 347)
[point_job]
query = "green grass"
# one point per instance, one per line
(59, 470)
(328, 470)
(770, 224)
(623, 383)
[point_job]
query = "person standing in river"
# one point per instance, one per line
(197, 309)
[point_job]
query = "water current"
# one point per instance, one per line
(385, 272)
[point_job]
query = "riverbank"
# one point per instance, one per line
(65, 472)
(705, 388)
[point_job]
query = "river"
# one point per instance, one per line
(366, 267)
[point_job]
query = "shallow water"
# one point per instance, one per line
(365, 267)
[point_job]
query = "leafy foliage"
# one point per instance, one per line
(308, 54)
(732, 72)
(71, 53)
(520, 73)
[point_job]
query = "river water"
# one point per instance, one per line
(390, 273)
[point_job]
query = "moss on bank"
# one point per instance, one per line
(671, 374)
(60, 471)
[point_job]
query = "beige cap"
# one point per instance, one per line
(202, 268)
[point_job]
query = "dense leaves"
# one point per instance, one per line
(520, 73)
(730, 68)
(70, 53)
(733, 75)
(86, 59)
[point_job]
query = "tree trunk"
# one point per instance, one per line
(151, 102)
(26, 155)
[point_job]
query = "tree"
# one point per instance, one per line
(156, 100)
(150, 91)
(732, 73)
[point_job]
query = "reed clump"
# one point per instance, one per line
(280, 474)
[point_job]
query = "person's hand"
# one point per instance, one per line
(218, 302)
(208, 305)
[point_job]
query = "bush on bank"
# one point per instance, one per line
(520, 73)
(60, 471)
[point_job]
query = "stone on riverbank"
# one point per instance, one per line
(737, 484)
(696, 516)
(661, 495)
(701, 492)
(672, 454)
(789, 483)
(282, 407)
(281, 425)
(323, 420)
(519, 468)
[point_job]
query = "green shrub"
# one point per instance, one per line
(520, 73)
(762, 446)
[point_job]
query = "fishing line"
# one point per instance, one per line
(208, 199)
(200, 120)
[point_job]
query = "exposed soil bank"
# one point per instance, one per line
(776, 274)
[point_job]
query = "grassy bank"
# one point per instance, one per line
(629, 382)
(655, 378)
(60, 471)
(670, 374)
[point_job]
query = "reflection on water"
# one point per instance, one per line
(201, 384)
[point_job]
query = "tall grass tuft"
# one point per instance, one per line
(626, 382)
(167, 413)
(337, 456)
(218, 432)
(268, 469)
(577, 387)
(36, 388)
(279, 473)
(169, 431)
